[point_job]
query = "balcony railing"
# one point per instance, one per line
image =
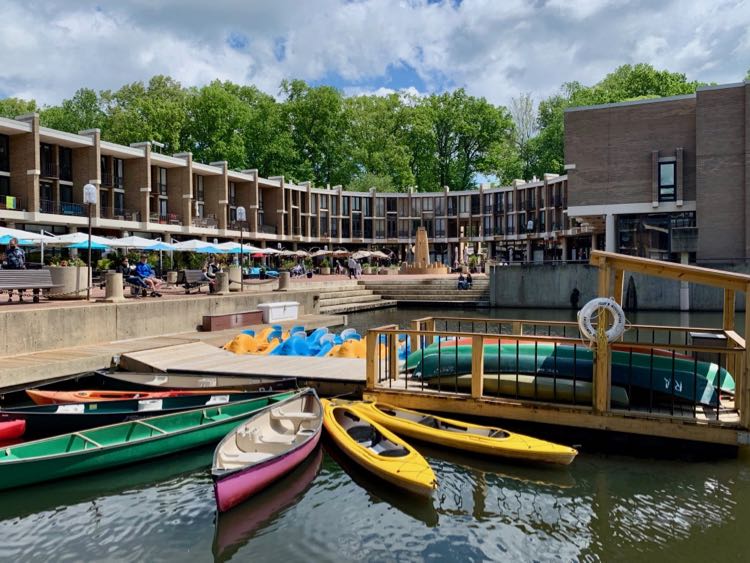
(272, 230)
(62, 208)
(510, 231)
(168, 219)
(49, 169)
(498, 231)
(498, 208)
(209, 222)
(107, 179)
(66, 173)
(11, 202)
(120, 214)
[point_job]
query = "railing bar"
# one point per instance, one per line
(673, 382)
(575, 370)
(554, 380)
(630, 380)
(536, 388)
(695, 386)
(517, 365)
(651, 382)
(499, 364)
(455, 367)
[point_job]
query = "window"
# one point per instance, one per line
(4, 186)
(232, 193)
(199, 189)
(5, 153)
(66, 163)
(49, 169)
(163, 207)
(667, 188)
(390, 205)
(66, 194)
(160, 180)
(103, 198)
(119, 173)
(119, 203)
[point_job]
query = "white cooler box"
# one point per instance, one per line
(279, 311)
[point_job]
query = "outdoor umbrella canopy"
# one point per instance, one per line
(360, 254)
(235, 247)
(75, 238)
(196, 245)
(140, 243)
(378, 254)
(321, 252)
(83, 245)
(23, 237)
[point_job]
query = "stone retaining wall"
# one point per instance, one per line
(33, 330)
(550, 286)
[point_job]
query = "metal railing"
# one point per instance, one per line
(120, 214)
(62, 208)
(661, 371)
(208, 221)
(11, 202)
(49, 169)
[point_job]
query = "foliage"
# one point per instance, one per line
(63, 262)
(325, 263)
(83, 111)
(104, 264)
(13, 107)
(363, 182)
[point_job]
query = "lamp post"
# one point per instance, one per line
(241, 218)
(89, 198)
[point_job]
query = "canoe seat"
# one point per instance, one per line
(245, 457)
(296, 418)
(364, 434)
(278, 439)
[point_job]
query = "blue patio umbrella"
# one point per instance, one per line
(84, 245)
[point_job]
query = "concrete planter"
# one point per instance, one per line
(72, 282)
(235, 275)
(171, 278)
(325, 271)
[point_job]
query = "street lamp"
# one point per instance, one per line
(89, 198)
(241, 218)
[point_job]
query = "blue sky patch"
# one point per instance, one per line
(279, 48)
(237, 41)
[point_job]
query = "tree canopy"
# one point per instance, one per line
(316, 133)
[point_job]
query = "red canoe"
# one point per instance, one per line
(12, 429)
(62, 397)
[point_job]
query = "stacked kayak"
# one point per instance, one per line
(41, 397)
(206, 382)
(265, 448)
(464, 436)
(377, 450)
(543, 367)
(128, 442)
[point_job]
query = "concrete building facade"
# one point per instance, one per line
(667, 178)
(142, 192)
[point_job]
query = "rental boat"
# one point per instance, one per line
(265, 448)
(42, 397)
(11, 429)
(377, 450)
(120, 444)
(661, 373)
(460, 435)
(49, 420)
(205, 381)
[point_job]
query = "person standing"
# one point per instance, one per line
(15, 259)
(352, 265)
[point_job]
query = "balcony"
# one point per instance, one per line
(66, 173)
(62, 208)
(498, 231)
(107, 180)
(119, 214)
(530, 205)
(209, 222)
(557, 201)
(49, 169)
(168, 219)
(272, 230)
(11, 203)
(510, 231)
(498, 208)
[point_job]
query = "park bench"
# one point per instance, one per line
(190, 279)
(36, 280)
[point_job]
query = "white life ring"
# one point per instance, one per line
(587, 312)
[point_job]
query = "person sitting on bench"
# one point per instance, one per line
(148, 275)
(129, 277)
(462, 281)
(468, 280)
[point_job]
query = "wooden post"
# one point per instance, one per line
(477, 366)
(742, 398)
(517, 327)
(429, 326)
(371, 358)
(602, 368)
(619, 279)
(416, 339)
(728, 320)
(393, 355)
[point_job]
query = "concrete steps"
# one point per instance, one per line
(350, 297)
(439, 291)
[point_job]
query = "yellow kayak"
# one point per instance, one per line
(463, 435)
(377, 450)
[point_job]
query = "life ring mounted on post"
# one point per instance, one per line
(589, 310)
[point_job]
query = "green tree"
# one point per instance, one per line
(82, 111)
(157, 112)
(13, 107)
(747, 76)
(367, 180)
(319, 127)
(378, 142)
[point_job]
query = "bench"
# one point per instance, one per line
(190, 279)
(35, 280)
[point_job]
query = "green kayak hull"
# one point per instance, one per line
(119, 444)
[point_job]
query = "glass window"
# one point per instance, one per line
(4, 153)
(66, 194)
(324, 202)
(232, 193)
(48, 166)
(345, 205)
(119, 173)
(667, 189)
(379, 207)
(66, 163)
(334, 208)
(4, 186)
(163, 207)
(119, 203)
(199, 190)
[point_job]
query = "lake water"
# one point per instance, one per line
(604, 507)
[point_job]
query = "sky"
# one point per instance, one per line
(497, 49)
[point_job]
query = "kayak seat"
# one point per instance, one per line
(394, 452)
(429, 421)
(362, 434)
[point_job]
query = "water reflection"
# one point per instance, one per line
(236, 527)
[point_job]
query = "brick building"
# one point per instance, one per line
(665, 178)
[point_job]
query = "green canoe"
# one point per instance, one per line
(120, 444)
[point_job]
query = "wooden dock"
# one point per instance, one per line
(338, 374)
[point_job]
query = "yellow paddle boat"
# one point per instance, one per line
(465, 436)
(377, 450)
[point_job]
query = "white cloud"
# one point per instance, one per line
(493, 49)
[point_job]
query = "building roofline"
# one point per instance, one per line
(722, 86)
(631, 103)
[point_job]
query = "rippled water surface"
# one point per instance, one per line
(602, 507)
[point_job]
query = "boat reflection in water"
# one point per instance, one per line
(237, 526)
(379, 491)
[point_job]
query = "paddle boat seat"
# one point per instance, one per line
(240, 459)
(296, 418)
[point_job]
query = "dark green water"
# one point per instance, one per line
(601, 508)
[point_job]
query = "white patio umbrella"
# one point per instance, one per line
(360, 254)
(234, 248)
(196, 245)
(378, 254)
(6, 234)
(76, 238)
(321, 252)
(140, 243)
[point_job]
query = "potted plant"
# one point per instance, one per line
(71, 278)
(325, 267)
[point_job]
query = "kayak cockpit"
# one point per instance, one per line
(367, 436)
(437, 423)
